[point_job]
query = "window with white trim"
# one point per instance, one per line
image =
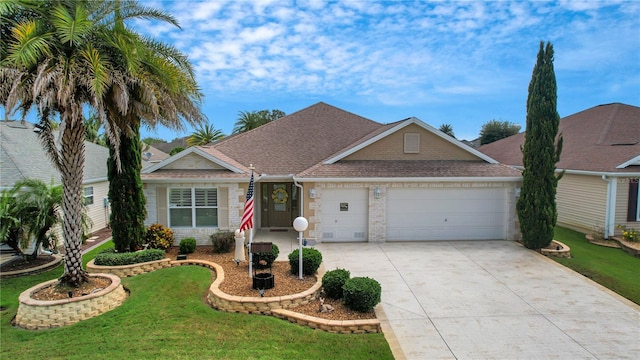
(88, 195)
(193, 207)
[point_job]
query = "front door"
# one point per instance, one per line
(279, 202)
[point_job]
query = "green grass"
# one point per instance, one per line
(166, 317)
(609, 267)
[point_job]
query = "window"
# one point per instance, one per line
(412, 143)
(88, 195)
(193, 207)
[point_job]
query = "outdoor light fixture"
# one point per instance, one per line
(312, 193)
(376, 193)
(300, 224)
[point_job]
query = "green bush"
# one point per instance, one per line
(311, 260)
(361, 293)
(187, 245)
(269, 258)
(106, 258)
(332, 282)
(223, 241)
(108, 251)
(159, 237)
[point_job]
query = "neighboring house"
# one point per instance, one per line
(353, 179)
(152, 155)
(601, 160)
(22, 156)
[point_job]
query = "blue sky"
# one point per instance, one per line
(461, 63)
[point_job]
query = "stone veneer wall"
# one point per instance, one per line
(129, 270)
(37, 314)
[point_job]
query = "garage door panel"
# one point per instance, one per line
(340, 223)
(446, 214)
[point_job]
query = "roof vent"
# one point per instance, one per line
(147, 155)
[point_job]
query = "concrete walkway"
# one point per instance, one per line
(484, 300)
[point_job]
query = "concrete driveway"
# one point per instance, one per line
(489, 300)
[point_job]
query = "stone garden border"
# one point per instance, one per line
(38, 314)
(617, 242)
(278, 306)
(129, 270)
(563, 252)
(57, 260)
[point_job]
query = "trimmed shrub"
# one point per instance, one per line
(311, 260)
(223, 241)
(269, 258)
(128, 258)
(187, 245)
(159, 237)
(361, 293)
(108, 251)
(332, 282)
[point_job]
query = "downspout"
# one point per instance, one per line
(610, 212)
(295, 182)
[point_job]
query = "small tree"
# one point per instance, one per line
(126, 195)
(494, 130)
(536, 206)
(447, 129)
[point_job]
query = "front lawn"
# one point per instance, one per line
(166, 317)
(609, 267)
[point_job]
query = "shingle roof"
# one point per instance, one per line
(22, 156)
(297, 141)
(409, 169)
(597, 139)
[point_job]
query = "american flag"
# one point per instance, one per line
(247, 216)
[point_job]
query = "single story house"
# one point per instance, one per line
(601, 163)
(354, 179)
(23, 157)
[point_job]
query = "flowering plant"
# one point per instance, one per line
(629, 234)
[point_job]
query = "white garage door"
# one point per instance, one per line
(345, 214)
(446, 214)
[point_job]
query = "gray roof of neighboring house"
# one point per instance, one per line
(598, 139)
(152, 155)
(22, 156)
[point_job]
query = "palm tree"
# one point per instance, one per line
(161, 89)
(247, 120)
(38, 207)
(62, 56)
(447, 129)
(204, 135)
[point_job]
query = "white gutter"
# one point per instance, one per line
(415, 179)
(610, 212)
(591, 173)
(295, 182)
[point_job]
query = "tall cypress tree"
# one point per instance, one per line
(126, 194)
(536, 206)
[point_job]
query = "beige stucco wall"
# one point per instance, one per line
(581, 201)
(193, 162)
(432, 147)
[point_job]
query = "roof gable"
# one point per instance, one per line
(198, 158)
(389, 145)
(604, 138)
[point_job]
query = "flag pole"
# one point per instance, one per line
(250, 197)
